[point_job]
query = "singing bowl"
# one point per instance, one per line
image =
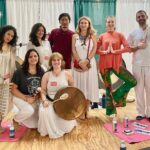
(72, 107)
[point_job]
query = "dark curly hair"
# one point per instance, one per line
(25, 65)
(3, 30)
(34, 30)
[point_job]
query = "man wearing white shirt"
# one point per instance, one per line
(139, 40)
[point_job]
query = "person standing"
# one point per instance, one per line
(84, 47)
(60, 39)
(139, 41)
(38, 42)
(110, 50)
(8, 40)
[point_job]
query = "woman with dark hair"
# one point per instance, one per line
(8, 39)
(26, 80)
(49, 122)
(38, 41)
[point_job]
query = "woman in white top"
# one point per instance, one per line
(38, 41)
(49, 122)
(8, 39)
(86, 79)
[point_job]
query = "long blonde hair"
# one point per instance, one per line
(91, 30)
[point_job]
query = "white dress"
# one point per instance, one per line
(7, 67)
(86, 81)
(49, 122)
(44, 52)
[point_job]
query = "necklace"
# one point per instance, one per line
(83, 39)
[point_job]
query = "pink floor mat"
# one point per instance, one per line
(19, 133)
(132, 138)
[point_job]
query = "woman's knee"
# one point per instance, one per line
(29, 111)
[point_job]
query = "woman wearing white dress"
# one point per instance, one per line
(53, 80)
(8, 39)
(86, 79)
(38, 41)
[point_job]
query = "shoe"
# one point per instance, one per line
(139, 117)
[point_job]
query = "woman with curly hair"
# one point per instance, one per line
(8, 39)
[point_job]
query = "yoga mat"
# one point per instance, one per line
(132, 138)
(19, 133)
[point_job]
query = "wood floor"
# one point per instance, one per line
(88, 135)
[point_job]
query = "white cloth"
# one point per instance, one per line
(142, 89)
(44, 52)
(27, 114)
(49, 123)
(141, 57)
(141, 70)
(55, 83)
(87, 81)
(7, 67)
(7, 64)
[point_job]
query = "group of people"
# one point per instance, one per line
(47, 62)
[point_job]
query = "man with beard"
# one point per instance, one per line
(61, 38)
(139, 40)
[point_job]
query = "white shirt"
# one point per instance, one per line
(141, 57)
(55, 83)
(44, 52)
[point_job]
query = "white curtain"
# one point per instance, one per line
(24, 13)
(51, 9)
(126, 19)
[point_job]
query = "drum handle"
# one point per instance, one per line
(62, 97)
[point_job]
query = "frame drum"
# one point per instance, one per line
(71, 107)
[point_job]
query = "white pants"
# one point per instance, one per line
(142, 89)
(27, 114)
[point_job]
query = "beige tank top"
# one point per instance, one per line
(55, 83)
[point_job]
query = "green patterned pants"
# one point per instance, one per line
(117, 97)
